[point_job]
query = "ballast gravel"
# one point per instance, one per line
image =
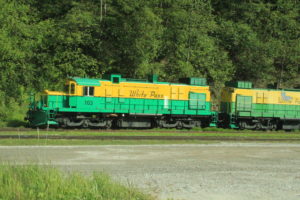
(222, 171)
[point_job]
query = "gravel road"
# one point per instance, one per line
(223, 171)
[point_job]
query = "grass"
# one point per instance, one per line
(215, 138)
(11, 112)
(160, 132)
(228, 134)
(48, 183)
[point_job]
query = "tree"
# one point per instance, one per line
(189, 48)
(261, 36)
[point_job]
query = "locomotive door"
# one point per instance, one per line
(109, 103)
(243, 103)
(197, 101)
(177, 94)
(72, 99)
(120, 103)
(262, 101)
(174, 96)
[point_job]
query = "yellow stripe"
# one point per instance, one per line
(54, 93)
(149, 91)
(141, 90)
(263, 96)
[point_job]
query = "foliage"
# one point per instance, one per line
(34, 182)
(262, 36)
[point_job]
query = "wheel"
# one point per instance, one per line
(197, 124)
(108, 124)
(242, 125)
(179, 125)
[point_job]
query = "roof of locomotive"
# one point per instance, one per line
(246, 85)
(96, 82)
(86, 81)
(266, 89)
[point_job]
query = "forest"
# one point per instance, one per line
(42, 42)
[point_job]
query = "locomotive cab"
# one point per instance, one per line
(39, 113)
(43, 112)
(70, 87)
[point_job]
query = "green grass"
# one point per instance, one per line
(209, 137)
(11, 112)
(48, 183)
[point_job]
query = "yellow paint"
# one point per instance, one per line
(140, 90)
(54, 93)
(149, 91)
(262, 96)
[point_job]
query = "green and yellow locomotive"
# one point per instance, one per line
(245, 107)
(125, 103)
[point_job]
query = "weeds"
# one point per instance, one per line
(48, 183)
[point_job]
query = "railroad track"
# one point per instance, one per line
(205, 138)
(60, 129)
(95, 130)
(53, 130)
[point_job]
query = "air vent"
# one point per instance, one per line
(194, 81)
(240, 84)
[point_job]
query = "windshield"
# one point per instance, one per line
(66, 88)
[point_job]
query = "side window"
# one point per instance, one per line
(72, 90)
(88, 91)
(85, 91)
(67, 88)
(91, 91)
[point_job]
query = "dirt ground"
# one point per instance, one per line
(233, 171)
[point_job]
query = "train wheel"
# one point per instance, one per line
(179, 125)
(198, 124)
(273, 126)
(242, 125)
(108, 124)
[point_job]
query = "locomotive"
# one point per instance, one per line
(114, 101)
(245, 107)
(125, 103)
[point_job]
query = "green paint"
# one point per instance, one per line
(153, 79)
(197, 101)
(239, 84)
(86, 81)
(263, 110)
(243, 103)
(86, 104)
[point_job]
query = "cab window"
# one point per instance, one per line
(66, 89)
(85, 91)
(88, 91)
(91, 91)
(72, 89)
